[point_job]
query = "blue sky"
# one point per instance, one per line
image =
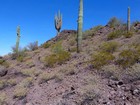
(36, 17)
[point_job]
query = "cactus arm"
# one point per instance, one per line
(58, 22)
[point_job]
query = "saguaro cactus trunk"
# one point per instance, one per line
(128, 19)
(18, 39)
(80, 27)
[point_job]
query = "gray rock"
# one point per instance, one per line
(3, 71)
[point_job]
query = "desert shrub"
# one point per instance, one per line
(58, 77)
(113, 22)
(109, 46)
(11, 82)
(45, 77)
(6, 83)
(127, 58)
(115, 34)
(20, 92)
(74, 49)
(20, 55)
(68, 71)
(91, 32)
(51, 60)
(138, 50)
(3, 98)
(33, 46)
(57, 47)
(133, 73)
(57, 58)
(30, 72)
(1, 61)
(20, 58)
(46, 45)
(4, 63)
(111, 71)
(88, 95)
(21, 89)
(2, 84)
(72, 42)
(100, 59)
(27, 82)
(128, 34)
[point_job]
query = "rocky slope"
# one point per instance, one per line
(75, 81)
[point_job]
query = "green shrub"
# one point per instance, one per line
(91, 32)
(46, 45)
(1, 61)
(100, 59)
(74, 49)
(20, 55)
(113, 22)
(109, 47)
(57, 58)
(4, 63)
(127, 58)
(119, 33)
(115, 34)
(128, 34)
(57, 47)
(20, 58)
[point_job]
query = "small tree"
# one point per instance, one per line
(113, 22)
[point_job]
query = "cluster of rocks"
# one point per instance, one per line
(123, 94)
(64, 34)
(136, 26)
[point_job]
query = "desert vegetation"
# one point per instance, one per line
(99, 66)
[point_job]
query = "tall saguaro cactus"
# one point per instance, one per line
(18, 39)
(80, 27)
(128, 19)
(58, 22)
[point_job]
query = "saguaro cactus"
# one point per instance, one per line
(18, 39)
(80, 27)
(58, 22)
(128, 19)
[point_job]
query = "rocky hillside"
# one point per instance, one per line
(106, 72)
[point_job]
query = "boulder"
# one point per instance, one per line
(3, 71)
